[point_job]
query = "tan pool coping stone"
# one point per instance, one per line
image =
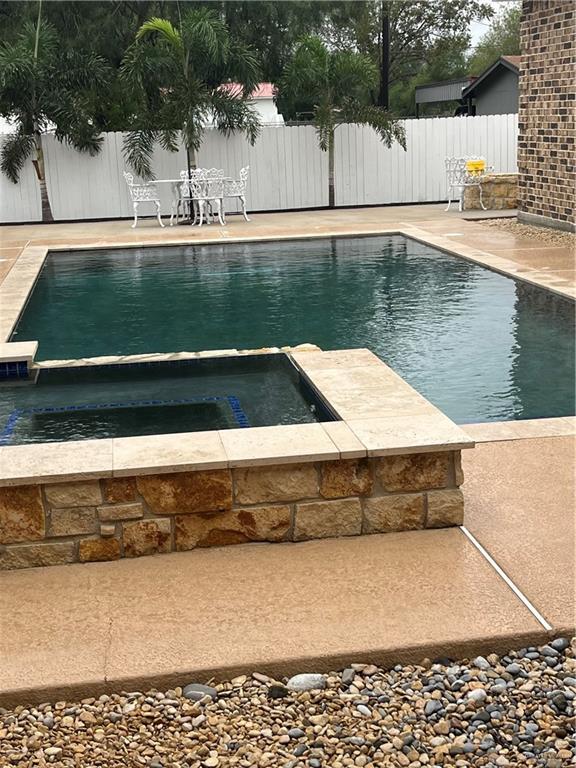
(360, 376)
(81, 630)
(497, 431)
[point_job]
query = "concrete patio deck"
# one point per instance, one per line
(69, 631)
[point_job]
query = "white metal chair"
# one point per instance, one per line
(206, 195)
(200, 185)
(142, 193)
(462, 172)
(236, 188)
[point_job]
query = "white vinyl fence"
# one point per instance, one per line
(287, 169)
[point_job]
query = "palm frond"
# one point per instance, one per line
(164, 29)
(387, 128)
(16, 149)
(354, 73)
(232, 113)
(169, 139)
(325, 124)
(138, 148)
(243, 67)
(205, 36)
(307, 74)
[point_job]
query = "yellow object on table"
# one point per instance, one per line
(475, 167)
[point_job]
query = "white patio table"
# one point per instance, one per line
(175, 191)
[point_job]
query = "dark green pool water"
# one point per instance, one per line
(481, 346)
(161, 398)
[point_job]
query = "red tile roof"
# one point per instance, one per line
(262, 90)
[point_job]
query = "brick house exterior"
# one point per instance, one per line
(547, 111)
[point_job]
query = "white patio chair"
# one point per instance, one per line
(186, 193)
(144, 192)
(206, 195)
(236, 188)
(462, 172)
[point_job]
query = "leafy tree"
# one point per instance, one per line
(420, 30)
(336, 84)
(446, 60)
(177, 77)
(45, 87)
(503, 38)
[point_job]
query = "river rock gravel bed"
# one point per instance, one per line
(515, 710)
(546, 235)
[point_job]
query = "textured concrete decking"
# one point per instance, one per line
(276, 608)
(73, 630)
(526, 519)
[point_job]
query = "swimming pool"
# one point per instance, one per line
(479, 345)
(127, 400)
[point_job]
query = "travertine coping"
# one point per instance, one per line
(381, 415)
(17, 351)
(18, 284)
(165, 357)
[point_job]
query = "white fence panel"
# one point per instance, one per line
(20, 202)
(287, 169)
(369, 173)
(81, 186)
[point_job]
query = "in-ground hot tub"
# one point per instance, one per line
(363, 453)
(149, 398)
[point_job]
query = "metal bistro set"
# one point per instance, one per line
(198, 196)
(462, 172)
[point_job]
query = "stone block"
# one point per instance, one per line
(147, 537)
(385, 514)
(414, 472)
(21, 514)
(83, 494)
(285, 482)
(236, 527)
(458, 471)
(119, 490)
(70, 521)
(181, 493)
(121, 512)
(92, 550)
(33, 555)
(345, 478)
(107, 530)
(445, 508)
(324, 519)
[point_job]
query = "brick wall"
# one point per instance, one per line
(546, 144)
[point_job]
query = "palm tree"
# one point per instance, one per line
(179, 77)
(45, 88)
(336, 87)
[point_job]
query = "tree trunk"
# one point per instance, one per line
(383, 99)
(191, 159)
(39, 167)
(331, 170)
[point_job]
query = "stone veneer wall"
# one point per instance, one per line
(499, 192)
(546, 113)
(107, 519)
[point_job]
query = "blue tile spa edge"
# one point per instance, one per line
(237, 411)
